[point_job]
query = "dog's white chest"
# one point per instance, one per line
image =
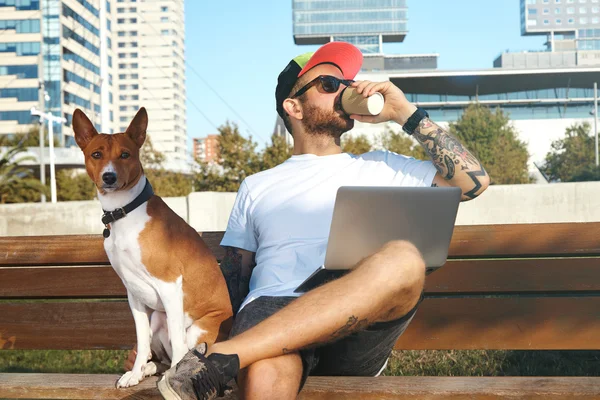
(125, 255)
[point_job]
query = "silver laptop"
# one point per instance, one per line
(365, 218)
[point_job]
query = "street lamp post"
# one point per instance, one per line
(596, 119)
(51, 120)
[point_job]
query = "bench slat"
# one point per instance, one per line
(88, 387)
(47, 282)
(459, 276)
(430, 387)
(519, 323)
(484, 241)
(505, 323)
(516, 276)
(73, 386)
(69, 249)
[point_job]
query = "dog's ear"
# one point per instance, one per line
(83, 128)
(137, 128)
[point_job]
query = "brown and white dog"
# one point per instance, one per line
(176, 291)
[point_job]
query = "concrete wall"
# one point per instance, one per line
(63, 218)
(208, 211)
(518, 204)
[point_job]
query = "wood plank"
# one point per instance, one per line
(67, 325)
(581, 239)
(574, 238)
(91, 387)
(516, 276)
(505, 323)
(429, 387)
(520, 323)
(46, 282)
(457, 276)
(73, 386)
(69, 249)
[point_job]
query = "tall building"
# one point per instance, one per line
(572, 28)
(207, 148)
(63, 47)
(569, 24)
(149, 47)
(365, 23)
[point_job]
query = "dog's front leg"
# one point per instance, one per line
(171, 295)
(142, 330)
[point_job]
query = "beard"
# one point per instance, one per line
(319, 122)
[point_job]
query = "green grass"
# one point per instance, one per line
(407, 363)
(493, 363)
(63, 361)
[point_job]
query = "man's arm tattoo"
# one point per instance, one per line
(449, 156)
(236, 277)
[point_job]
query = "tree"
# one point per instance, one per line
(31, 138)
(237, 160)
(17, 183)
(490, 137)
(401, 143)
(74, 184)
(150, 157)
(572, 158)
(356, 144)
(164, 183)
(276, 153)
(587, 174)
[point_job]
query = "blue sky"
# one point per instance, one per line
(238, 47)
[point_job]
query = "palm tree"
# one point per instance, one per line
(17, 181)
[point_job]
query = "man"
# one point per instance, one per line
(277, 236)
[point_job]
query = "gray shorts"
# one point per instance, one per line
(362, 353)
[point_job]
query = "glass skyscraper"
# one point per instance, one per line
(364, 23)
(64, 45)
(569, 24)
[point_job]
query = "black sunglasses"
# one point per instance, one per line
(330, 84)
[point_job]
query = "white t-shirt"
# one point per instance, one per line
(284, 214)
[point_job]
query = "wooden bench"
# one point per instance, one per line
(522, 287)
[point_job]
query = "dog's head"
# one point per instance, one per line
(112, 161)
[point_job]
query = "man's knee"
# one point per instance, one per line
(402, 264)
(275, 378)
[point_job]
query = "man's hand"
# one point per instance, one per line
(456, 166)
(128, 364)
(397, 108)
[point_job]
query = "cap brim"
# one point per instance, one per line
(345, 56)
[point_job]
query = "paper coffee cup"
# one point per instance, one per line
(353, 102)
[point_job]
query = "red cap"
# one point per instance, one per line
(345, 56)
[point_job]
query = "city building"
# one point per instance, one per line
(106, 57)
(207, 148)
(55, 55)
(365, 23)
(572, 29)
(569, 24)
(150, 58)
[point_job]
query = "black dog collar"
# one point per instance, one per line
(112, 216)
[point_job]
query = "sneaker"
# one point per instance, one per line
(199, 377)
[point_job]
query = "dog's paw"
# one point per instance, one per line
(129, 379)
